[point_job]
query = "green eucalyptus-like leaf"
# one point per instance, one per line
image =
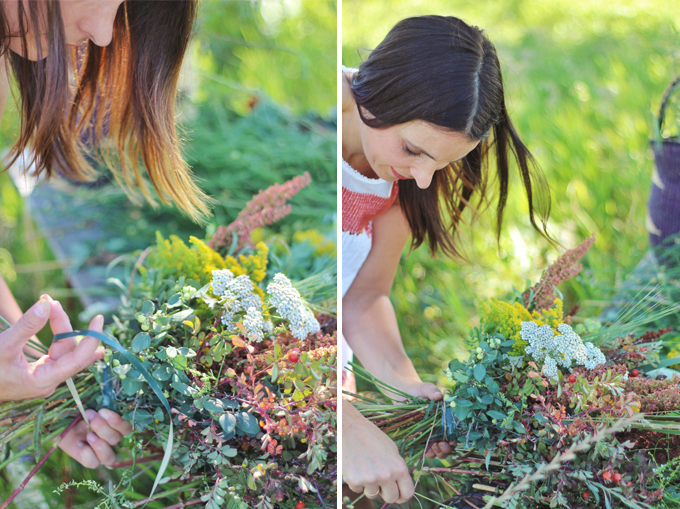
(141, 341)
(519, 427)
(122, 370)
(247, 423)
(175, 300)
(162, 373)
(179, 362)
(495, 414)
(228, 422)
(183, 389)
(180, 316)
(148, 308)
(131, 386)
(214, 406)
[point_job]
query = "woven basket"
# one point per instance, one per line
(666, 178)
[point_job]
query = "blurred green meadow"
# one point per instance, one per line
(582, 79)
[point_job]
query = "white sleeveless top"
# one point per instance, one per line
(363, 199)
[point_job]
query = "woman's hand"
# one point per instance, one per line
(371, 461)
(91, 448)
(20, 379)
(420, 389)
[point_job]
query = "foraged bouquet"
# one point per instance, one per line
(226, 373)
(547, 412)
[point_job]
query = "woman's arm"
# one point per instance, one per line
(369, 323)
(371, 461)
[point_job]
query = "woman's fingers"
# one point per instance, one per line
(444, 450)
(91, 448)
(439, 449)
(103, 450)
(430, 391)
(116, 421)
(74, 361)
(390, 492)
(406, 489)
(101, 427)
(75, 445)
(372, 491)
(85, 455)
(432, 451)
(13, 340)
(425, 390)
(60, 323)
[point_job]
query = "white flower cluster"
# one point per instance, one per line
(238, 294)
(595, 357)
(563, 349)
(291, 307)
(550, 368)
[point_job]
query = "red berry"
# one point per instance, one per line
(634, 373)
(606, 476)
(616, 477)
(300, 505)
(586, 495)
(572, 378)
(294, 356)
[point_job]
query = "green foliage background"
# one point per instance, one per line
(580, 80)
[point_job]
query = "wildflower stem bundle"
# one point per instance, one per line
(546, 412)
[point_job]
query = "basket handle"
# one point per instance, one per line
(665, 98)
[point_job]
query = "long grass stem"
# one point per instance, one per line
(40, 463)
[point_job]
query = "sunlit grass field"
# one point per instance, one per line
(581, 79)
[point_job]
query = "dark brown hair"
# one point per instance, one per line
(120, 99)
(442, 71)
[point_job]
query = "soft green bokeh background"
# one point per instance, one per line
(580, 79)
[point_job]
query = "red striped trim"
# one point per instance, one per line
(359, 209)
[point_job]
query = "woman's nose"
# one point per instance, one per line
(99, 28)
(423, 174)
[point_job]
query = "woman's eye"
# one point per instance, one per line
(410, 152)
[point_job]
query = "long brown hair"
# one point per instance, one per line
(119, 99)
(442, 71)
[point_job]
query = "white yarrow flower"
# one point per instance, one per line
(237, 295)
(550, 368)
(254, 323)
(291, 307)
(566, 349)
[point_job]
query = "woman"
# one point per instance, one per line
(420, 117)
(105, 72)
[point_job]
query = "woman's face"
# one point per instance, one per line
(83, 20)
(414, 150)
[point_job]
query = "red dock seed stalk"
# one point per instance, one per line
(565, 268)
(267, 207)
(653, 335)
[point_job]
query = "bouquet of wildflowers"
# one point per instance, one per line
(549, 410)
(227, 375)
